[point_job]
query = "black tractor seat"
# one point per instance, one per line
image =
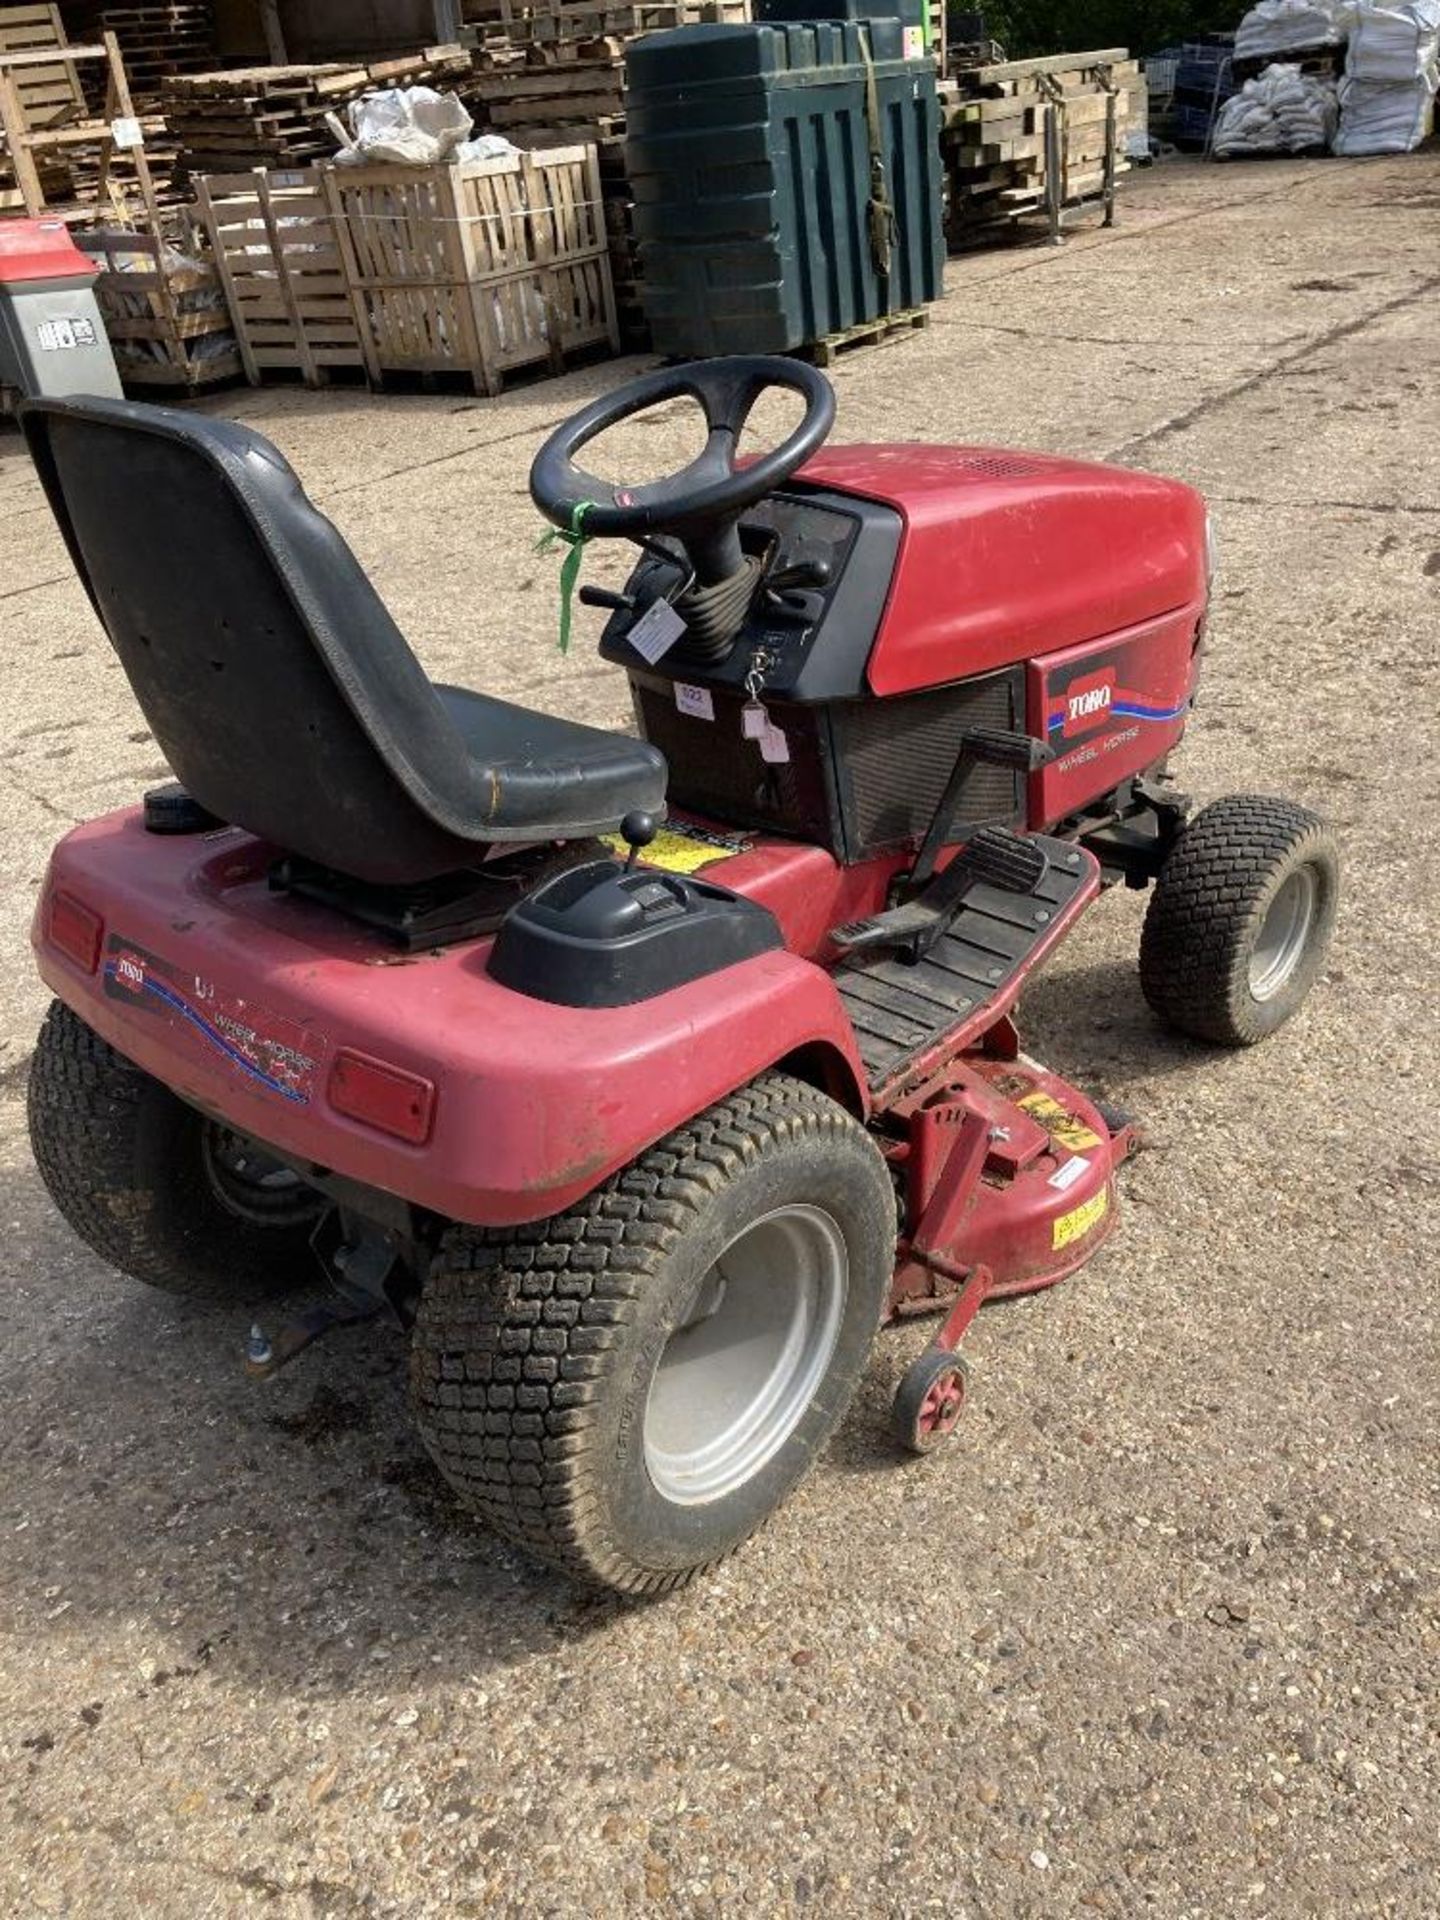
(277, 686)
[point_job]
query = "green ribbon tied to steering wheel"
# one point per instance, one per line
(574, 538)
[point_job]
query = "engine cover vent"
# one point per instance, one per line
(1001, 466)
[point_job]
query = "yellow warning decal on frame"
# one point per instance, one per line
(1062, 1127)
(675, 852)
(1076, 1224)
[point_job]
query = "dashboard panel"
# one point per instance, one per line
(811, 641)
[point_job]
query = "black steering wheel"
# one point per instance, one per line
(700, 505)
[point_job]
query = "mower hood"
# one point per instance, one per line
(1007, 555)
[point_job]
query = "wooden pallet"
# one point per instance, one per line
(157, 41)
(481, 268)
(888, 326)
(273, 239)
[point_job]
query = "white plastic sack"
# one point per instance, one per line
(486, 146)
(1282, 110)
(1387, 95)
(1285, 26)
(1394, 42)
(415, 126)
(1384, 117)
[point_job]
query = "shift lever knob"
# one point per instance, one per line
(637, 830)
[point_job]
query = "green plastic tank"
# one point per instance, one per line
(786, 180)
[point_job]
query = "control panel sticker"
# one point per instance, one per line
(682, 849)
(696, 701)
(1063, 1128)
(1080, 1220)
(268, 1050)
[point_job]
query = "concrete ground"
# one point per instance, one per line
(1159, 1633)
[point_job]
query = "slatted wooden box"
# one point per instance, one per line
(273, 238)
(478, 267)
(164, 311)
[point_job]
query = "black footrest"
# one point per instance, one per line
(993, 856)
(901, 1007)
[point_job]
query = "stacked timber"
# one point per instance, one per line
(994, 135)
(156, 42)
(550, 73)
(246, 117)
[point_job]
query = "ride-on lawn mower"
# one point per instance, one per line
(641, 1129)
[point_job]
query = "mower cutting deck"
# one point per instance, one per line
(640, 1122)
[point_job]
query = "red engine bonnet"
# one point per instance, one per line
(1008, 555)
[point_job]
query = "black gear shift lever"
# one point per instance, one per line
(637, 830)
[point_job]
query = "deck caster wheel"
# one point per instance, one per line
(930, 1400)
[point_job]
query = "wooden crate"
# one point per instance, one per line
(1002, 124)
(165, 313)
(477, 268)
(273, 240)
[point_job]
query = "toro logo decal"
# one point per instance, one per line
(128, 971)
(1086, 702)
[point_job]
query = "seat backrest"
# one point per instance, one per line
(272, 677)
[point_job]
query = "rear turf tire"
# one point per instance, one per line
(134, 1172)
(1240, 919)
(555, 1371)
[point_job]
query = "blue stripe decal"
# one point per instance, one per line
(1128, 710)
(1134, 711)
(213, 1036)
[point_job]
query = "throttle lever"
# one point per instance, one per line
(604, 597)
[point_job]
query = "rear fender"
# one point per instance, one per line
(244, 1002)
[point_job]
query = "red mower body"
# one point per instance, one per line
(422, 1078)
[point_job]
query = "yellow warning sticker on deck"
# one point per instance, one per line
(676, 852)
(1077, 1223)
(1063, 1128)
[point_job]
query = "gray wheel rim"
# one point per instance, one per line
(1284, 934)
(734, 1382)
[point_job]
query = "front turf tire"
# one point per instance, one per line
(132, 1170)
(543, 1365)
(1240, 919)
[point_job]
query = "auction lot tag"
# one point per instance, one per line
(695, 701)
(656, 631)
